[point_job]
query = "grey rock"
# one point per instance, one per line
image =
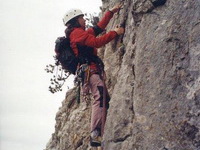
(153, 76)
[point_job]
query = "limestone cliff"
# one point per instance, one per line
(153, 76)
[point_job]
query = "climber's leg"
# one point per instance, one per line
(96, 85)
(97, 88)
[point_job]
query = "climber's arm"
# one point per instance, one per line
(84, 38)
(108, 15)
(100, 27)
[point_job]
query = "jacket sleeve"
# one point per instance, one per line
(101, 24)
(84, 38)
(105, 20)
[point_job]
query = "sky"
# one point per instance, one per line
(28, 31)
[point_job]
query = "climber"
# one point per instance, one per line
(84, 43)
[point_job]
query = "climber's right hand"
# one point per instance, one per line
(119, 30)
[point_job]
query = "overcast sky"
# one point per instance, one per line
(28, 31)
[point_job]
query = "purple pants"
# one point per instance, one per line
(97, 88)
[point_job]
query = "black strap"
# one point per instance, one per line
(97, 30)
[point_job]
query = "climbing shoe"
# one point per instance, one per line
(95, 138)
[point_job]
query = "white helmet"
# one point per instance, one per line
(71, 14)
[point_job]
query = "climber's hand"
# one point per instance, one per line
(116, 8)
(119, 30)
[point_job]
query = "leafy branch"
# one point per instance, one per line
(59, 76)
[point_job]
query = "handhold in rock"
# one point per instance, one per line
(157, 3)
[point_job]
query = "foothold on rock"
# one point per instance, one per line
(157, 3)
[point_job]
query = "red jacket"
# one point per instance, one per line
(87, 37)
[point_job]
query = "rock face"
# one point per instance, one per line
(72, 125)
(153, 76)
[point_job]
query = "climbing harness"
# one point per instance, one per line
(82, 76)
